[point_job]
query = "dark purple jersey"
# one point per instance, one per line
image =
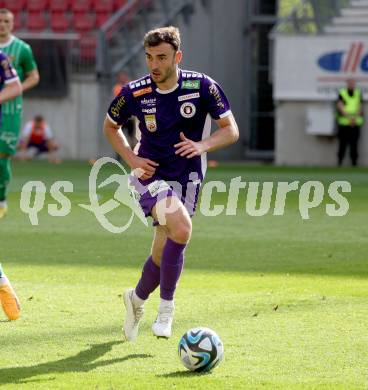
(163, 114)
(7, 72)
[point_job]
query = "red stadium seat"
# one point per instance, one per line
(81, 5)
(36, 21)
(14, 5)
(84, 23)
(119, 3)
(87, 45)
(37, 5)
(18, 21)
(59, 22)
(104, 6)
(101, 18)
(59, 5)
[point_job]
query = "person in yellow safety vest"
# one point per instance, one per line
(349, 120)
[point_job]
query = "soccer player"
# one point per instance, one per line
(21, 57)
(174, 108)
(10, 87)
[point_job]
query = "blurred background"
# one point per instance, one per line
(280, 62)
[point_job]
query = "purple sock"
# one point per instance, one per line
(171, 266)
(149, 280)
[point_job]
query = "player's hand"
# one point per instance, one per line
(143, 168)
(188, 148)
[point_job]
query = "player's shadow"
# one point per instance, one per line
(84, 361)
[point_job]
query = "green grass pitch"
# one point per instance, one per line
(288, 297)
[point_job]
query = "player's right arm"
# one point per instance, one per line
(143, 167)
(118, 113)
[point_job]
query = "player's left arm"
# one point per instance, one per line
(32, 76)
(226, 134)
(31, 80)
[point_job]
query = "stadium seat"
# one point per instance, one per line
(104, 6)
(18, 21)
(88, 44)
(59, 22)
(59, 5)
(84, 23)
(14, 5)
(101, 18)
(81, 5)
(36, 5)
(119, 3)
(36, 21)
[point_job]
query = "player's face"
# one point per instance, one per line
(6, 25)
(162, 61)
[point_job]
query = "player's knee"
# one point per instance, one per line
(182, 231)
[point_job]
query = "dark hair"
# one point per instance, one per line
(169, 35)
(38, 118)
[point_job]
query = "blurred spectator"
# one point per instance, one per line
(122, 79)
(349, 120)
(37, 138)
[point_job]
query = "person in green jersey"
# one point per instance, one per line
(10, 88)
(22, 59)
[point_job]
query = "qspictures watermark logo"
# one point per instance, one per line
(266, 198)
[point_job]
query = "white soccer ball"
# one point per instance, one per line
(200, 349)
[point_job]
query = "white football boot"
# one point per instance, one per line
(133, 315)
(162, 326)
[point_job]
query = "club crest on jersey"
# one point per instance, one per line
(187, 110)
(151, 123)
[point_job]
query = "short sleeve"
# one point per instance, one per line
(48, 132)
(215, 99)
(120, 108)
(28, 61)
